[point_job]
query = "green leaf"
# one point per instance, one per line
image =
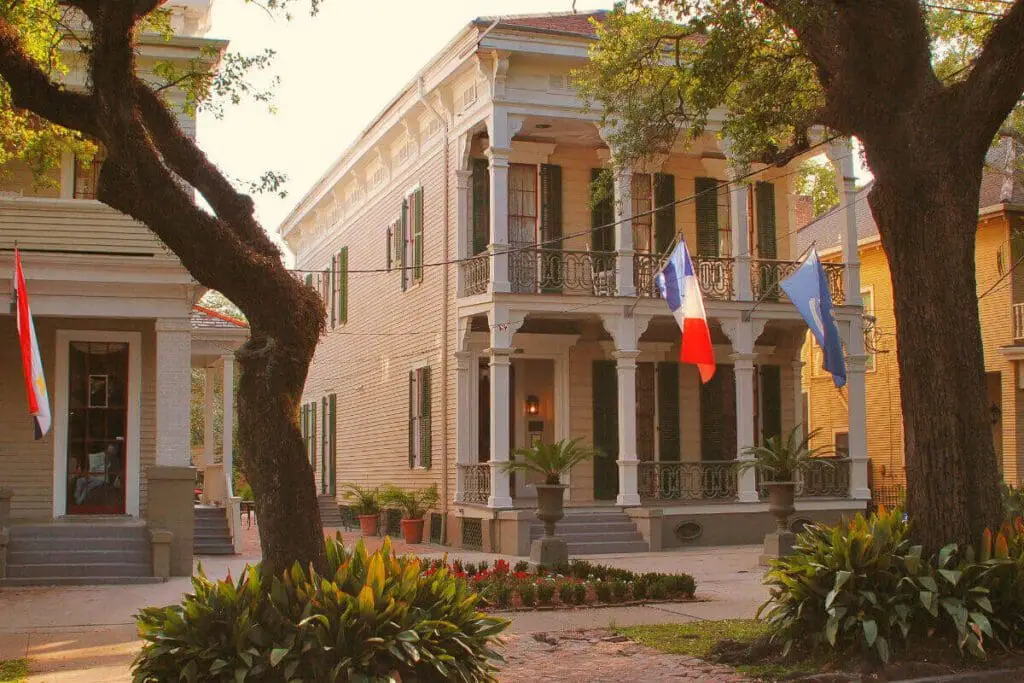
(983, 623)
(277, 654)
(842, 576)
(870, 631)
(831, 630)
(882, 647)
(929, 583)
(951, 575)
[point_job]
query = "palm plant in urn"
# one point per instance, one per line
(551, 461)
(780, 462)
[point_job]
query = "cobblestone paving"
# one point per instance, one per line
(600, 656)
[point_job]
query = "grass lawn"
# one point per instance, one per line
(13, 670)
(697, 638)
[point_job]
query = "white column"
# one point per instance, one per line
(743, 365)
(499, 219)
(840, 153)
(463, 231)
(798, 397)
(501, 496)
(229, 420)
(463, 419)
(856, 401)
(739, 198)
(625, 365)
(209, 433)
(623, 183)
(173, 391)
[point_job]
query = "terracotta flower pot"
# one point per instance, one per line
(550, 505)
(412, 530)
(780, 502)
(368, 524)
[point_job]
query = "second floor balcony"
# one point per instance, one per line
(597, 273)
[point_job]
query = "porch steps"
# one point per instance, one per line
(212, 535)
(79, 553)
(596, 533)
(330, 514)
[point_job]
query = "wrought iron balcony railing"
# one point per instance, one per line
(688, 481)
(476, 483)
(766, 274)
(558, 271)
(825, 478)
(714, 273)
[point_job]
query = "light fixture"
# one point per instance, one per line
(532, 405)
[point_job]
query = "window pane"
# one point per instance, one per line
(643, 221)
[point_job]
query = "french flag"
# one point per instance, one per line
(680, 288)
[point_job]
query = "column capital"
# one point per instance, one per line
(499, 356)
(463, 176)
(626, 354)
(743, 361)
(625, 329)
(173, 325)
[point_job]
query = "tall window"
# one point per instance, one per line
(419, 418)
(411, 256)
(841, 444)
(643, 219)
(522, 204)
(87, 175)
(724, 224)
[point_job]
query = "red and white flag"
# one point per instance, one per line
(32, 364)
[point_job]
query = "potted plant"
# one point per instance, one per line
(779, 462)
(550, 461)
(366, 501)
(414, 505)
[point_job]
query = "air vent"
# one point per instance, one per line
(689, 531)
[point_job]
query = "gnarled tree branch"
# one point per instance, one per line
(993, 88)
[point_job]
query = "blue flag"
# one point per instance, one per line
(808, 289)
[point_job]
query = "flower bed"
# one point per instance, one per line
(502, 586)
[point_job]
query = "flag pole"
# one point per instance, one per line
(764, 295)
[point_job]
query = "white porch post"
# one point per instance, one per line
(464, 410)
(463, 182)
(229, 421)
(840, 153)
(798, 397)
(625, 366)
(856, 396)
(173, 391)
(743, 334)
(623, 183)
(209, 434)
(501, 496)
(501, 128)
(739, 212)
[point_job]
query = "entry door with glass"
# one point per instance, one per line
(97, 427)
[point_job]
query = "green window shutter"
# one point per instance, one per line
(602, 211)
(389, 248)
(305, 429)
(718, 416)
(771, 401)
(325, 442)
(309, 279)
(665, 218)
(412, 422)
(333, 474)
(334, 290)
(706, 190)
(481, 206)
(343, 286)
(425, 429)
(417, 236)
(669, 442)
(551, 223)
(405, 238)
(606, 429)
(766, 240)
(312, 434)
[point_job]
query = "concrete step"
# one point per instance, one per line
(212, 549)
(598, 548)
(72, 544)
(218, 526)
(211, 533)
(633, 535)
(87, 569)
(580, 528)
(34, 557)
(77, 581)
(77, 531)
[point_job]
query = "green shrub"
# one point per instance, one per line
(469, 568)
(618, 590)
(603, 589)
(521, 566)
(484, 565)
(503, 595)
(658, 590)
(528, 594)
(369, 617)
(545, 593)
(245, 493)
(579, 594)
(640, 589)
(565, 592)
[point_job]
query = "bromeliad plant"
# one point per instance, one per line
(784, 459)
(371, 617)
(551, 460)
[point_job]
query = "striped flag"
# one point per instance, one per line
(32, 364)
(680, 288)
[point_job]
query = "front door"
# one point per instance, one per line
(97, 427)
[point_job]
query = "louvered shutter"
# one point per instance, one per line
(602, 211)
(668, 411)
(665, 218)
(706, 190)
(551, 227)
(405, 238)
(334, 290)
(309, 279)
(606, 430)
(312, 434)
(425, 428)
(766, 239)
(417, 235)
(305, 428)
(333, 473)
(325, 442)
(343, 286)
(389, 248)
(481, 206)
(771, 401)
(412, 420)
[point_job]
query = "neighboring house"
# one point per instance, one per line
(477, 301)
(112, 309)
(1000, 245)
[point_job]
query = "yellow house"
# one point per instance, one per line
(1001, 304)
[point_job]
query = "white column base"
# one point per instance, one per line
(628, 484)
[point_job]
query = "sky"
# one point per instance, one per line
(338, 70)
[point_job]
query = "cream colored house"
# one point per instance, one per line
(477, 302)
(112, 309)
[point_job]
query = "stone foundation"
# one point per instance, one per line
(171, 491)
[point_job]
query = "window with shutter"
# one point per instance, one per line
(707, 216)
(602, 211)
(481, 236)
(766, 238)
(334, 290)
(309, 279)
(606, 430)
(312, 434)
(413, 441)
(332, 473)
(417, 248)
(325, 442)
(771, 401)
(669, 442)
(665, 218)
(389, 248)
(424, 411)
(551, 226)
(343, 286)
(403, 251)
(718, 416)
(304, 412)
(642, 199)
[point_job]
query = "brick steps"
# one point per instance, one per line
(212, 536)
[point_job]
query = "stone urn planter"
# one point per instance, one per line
(549, 550)
(368, 524)
(779, 543)
(412, 530)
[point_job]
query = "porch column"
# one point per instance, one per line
(209, 434)
(501, 128)
(743, 366)
(624, 284)
(463, 183)
(798, 397)
(856, 397)
(501, 359)
(739, 210)
(840, 152)
(625, 366)
(173, 391)
(229, 421)
(463, 420)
